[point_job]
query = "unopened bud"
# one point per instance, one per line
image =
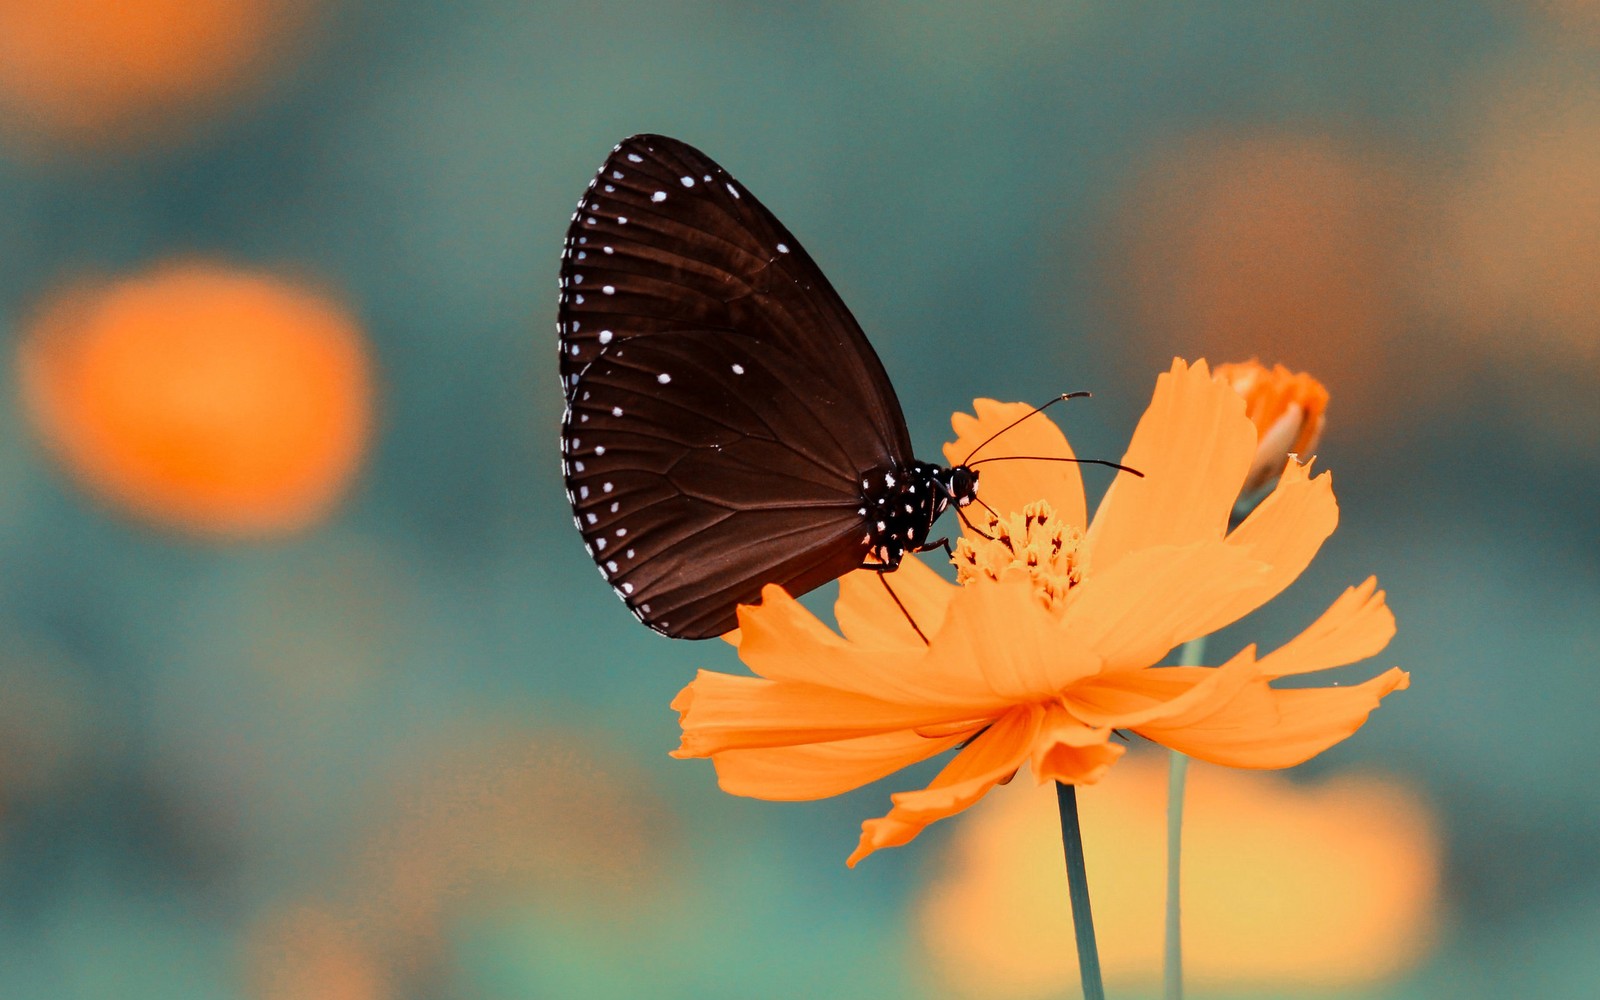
(1288, 409)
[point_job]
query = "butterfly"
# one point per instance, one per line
(727, 424)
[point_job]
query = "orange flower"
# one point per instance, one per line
(220, 401)
(88, 74)
(1049, 642)
(1288, 410)
(1288, 888)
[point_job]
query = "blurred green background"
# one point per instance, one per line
(413, 748)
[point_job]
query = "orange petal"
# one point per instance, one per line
(721, 712)
(1194, 445)
(1131, 699)
(818, 770)
(988, 760)
(1267, 728)
(1011, 485)
(1284, 532)
(1000, 646)
(782, 641)
(1358, 625)
(868, 616)
(1070, 752)
(1132, 614)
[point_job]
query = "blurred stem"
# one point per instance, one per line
(1078, 891)
(1177, 775)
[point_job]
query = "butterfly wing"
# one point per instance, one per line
(722, 404)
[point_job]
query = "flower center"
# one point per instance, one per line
(1035, 541)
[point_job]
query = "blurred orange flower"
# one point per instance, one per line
(90, 73)
(1285, 887)
(1288, 410)
(220, 401)
(1048, 642)
(480, 818)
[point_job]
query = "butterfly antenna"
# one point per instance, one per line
(1083, 394)
(1057, 458)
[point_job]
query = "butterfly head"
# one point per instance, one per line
(961, 485)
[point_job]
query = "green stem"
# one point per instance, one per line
(1177, 771)
(1078, 891)
(1177, 774)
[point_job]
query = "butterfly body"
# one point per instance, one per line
(727, 424)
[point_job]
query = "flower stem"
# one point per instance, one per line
(1177, 773)
(1078, 890)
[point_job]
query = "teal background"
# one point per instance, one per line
(234, 733)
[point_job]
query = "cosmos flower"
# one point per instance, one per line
(1050, 640)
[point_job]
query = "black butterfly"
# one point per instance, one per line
(727, 424)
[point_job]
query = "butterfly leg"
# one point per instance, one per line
(883, 568)
(899, 604)
(938, 543)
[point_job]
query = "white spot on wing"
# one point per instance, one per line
(663, 378)
(738, 369)
(659, 196)
(605, 336)
(783, 248)
(609, 289)
(635, 157)
(687, 182)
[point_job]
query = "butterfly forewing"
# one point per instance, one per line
(665, 239)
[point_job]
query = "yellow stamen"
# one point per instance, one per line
(1035, 541)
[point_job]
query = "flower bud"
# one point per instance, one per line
(1288, 410)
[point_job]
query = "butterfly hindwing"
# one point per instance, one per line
(699, 470)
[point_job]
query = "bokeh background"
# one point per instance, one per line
(307, 688)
